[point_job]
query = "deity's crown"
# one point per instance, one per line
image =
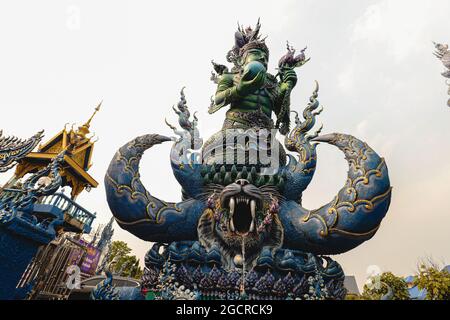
(247, 39)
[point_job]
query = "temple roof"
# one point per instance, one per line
(77, 161)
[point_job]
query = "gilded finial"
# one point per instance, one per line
(97, 109)
(84, 129)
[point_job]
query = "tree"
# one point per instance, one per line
(434, 281)
(127, 265)
(379, 287)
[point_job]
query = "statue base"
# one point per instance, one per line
(186, 271)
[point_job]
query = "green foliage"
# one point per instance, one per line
(379, 287)
(119, 248)
(126, 263)
(434, 281)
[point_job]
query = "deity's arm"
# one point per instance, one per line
(282, 106)
(226, 92)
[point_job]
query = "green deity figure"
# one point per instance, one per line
(252, 93)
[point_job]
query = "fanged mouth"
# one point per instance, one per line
(242, 219)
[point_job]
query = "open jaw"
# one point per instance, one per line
(242, 217)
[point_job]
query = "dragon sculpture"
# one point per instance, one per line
(240, 231)
(443, 54)
(105, 289)
(40, 184)
(13, 149)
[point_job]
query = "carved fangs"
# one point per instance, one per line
(242, 217)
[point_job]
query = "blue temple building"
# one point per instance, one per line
(33, 210)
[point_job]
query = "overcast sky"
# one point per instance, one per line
(378, 81)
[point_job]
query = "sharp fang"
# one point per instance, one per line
(253, 209)
(248, 200)
(253, 212)
(231, 225)
(252, 226)
(232, 205)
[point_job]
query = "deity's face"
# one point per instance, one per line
(256, 55)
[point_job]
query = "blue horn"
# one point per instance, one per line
(355, 213)
(136, 210)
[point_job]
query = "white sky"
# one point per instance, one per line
(378, 81)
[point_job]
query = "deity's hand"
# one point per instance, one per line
(253, 78)
(289, 76)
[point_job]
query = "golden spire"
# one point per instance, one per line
(84, 129)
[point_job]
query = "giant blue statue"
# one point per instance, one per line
(241, 231)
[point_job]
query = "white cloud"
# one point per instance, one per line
(346, 80)
(368, 24)
(396, 26)
(361, 128)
